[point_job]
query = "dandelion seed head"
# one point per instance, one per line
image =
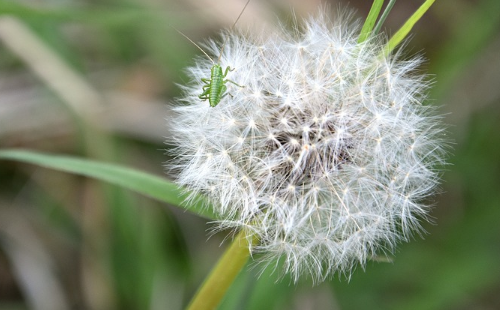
(326, 154)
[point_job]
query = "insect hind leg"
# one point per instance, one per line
(233, 82)
(228, 69)
(205, 94)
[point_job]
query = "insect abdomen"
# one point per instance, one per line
(216, 83)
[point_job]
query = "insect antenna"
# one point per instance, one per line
(185, 36)
(224, 44)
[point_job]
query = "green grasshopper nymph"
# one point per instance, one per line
(215, 87)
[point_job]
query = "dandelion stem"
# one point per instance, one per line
(214, 288)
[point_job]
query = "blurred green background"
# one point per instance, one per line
(95, 79)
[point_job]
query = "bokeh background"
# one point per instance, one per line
(95, 79)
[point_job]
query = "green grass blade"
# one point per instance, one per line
(370, 20)
(141, 182)
(119, 16)
(406, 28)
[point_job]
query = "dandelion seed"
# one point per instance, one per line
(332, 162)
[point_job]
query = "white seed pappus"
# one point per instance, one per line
(326, 154)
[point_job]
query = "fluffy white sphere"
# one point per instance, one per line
(325, 154)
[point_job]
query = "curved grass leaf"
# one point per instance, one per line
(408, 25)
(141, 182)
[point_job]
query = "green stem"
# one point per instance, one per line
(406, 28)
(384, 16)
(370, 20)
(214, 288)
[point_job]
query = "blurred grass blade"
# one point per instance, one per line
(370, 20)
(98, 15)
(469, 38)
(406, 28)
(141, 182)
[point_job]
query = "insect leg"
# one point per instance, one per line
(228, 68)
(227, 80)
(223, 91)
(206, 90)
(205, 94)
